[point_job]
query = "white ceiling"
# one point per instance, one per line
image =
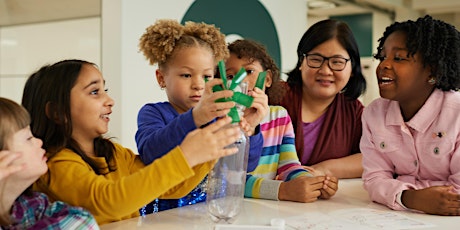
(14, 12)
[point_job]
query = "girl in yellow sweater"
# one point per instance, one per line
(70, 111)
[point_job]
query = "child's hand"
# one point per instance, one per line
(7, 163)
(207, 109)
(258, 109)
(302, 189)
(437, 200)
(246, 127)
(208, 143)
(330, 186)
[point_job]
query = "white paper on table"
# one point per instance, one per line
(356, 218)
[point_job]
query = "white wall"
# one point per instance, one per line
(25, 48)
(130, 76)
(379, 23)
(111, 42)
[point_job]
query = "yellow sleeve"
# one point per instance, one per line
(119, 194)
(188, 185)
(184, 188)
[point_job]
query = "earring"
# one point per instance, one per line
(432, 81)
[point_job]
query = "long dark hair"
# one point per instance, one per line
(47, 98)
(323, 31)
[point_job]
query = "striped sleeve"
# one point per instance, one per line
(279, 161)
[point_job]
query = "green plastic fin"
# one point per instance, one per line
(223, 75)
(261, 80)
(238, 78)
(242, 99)
(234, 115)
(217, 88)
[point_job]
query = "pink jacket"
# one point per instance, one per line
(420, 153)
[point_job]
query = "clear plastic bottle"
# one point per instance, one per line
(226, 181)
(225, 191)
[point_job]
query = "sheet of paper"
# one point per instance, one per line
(359, 218)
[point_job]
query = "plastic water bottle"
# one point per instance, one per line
(226, 181)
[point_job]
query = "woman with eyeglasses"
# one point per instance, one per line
(321, 98)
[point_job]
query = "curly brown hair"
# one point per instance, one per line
(162, 39)
(255, 51)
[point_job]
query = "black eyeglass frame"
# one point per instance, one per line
(328, 62)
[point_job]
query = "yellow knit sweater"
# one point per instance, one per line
(118, 195)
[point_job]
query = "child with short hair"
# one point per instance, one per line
(279, 174)
(411, 135)
(20, 207)
(187, 56)
(70, 111)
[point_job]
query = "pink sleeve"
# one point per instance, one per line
(378, 169)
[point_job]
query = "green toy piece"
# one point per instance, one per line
(237, 97)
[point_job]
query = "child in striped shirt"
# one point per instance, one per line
(279, 174)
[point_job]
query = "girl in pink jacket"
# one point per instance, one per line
(411, 135)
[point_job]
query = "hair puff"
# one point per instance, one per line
(211, 35)
(161, 39)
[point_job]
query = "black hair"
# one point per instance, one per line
(438, 44)
(321, 32)
(46, 96)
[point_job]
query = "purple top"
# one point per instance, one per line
(311, 132)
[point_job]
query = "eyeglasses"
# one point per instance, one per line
(335, 63)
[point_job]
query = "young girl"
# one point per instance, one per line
(322, 100)
(20, 208)
(279, 159)
(186, 55)
(411, 136)
(70, 111)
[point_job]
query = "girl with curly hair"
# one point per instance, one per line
(279, 174)
(187, 56)
(411, 135)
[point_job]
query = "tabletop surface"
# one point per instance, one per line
(350, 208)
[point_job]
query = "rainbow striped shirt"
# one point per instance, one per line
(278, 161)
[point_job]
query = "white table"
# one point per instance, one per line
(350, 195)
